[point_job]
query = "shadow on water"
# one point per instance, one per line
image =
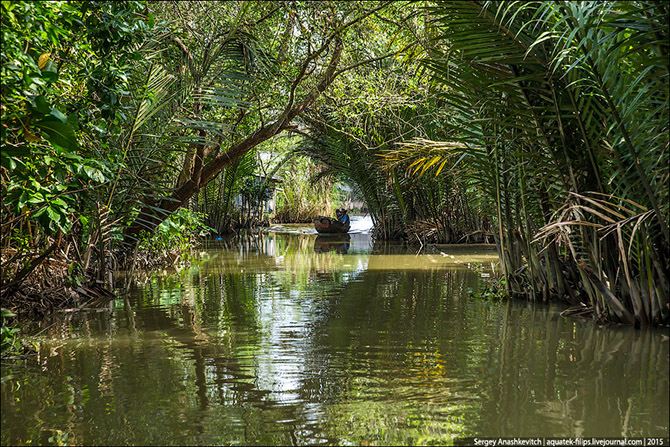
(274, 341)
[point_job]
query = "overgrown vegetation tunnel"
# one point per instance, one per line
(129, 128)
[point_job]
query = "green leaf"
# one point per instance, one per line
(50, 76)
(59, 133)
(6, 313)
(7, 162)
(40, 104)
(37, 198)
(39, 212)
(53, 214)
(73, 121)
(60, 115)
(58, 201)
(94, 174)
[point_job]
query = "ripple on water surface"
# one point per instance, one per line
(276, 339)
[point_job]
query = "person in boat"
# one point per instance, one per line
(344, 217)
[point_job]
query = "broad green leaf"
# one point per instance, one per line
(40, 104)
(53, 214)
(58, 201)
(59, 133)
(60, 115)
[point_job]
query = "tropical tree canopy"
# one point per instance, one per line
(542, 126)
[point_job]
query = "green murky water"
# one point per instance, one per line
(284, 338)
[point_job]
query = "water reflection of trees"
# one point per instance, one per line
(372, 355)
(572, 378)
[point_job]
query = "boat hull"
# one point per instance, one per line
(328, 225)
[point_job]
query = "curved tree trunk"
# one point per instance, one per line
(155, 212)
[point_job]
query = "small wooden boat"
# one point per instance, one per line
(328, 225)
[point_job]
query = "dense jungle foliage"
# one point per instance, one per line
(130, 128)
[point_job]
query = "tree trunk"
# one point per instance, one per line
(154, 213)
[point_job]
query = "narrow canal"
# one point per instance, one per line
(288, 338)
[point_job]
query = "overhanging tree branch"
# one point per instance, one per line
(152, 215)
